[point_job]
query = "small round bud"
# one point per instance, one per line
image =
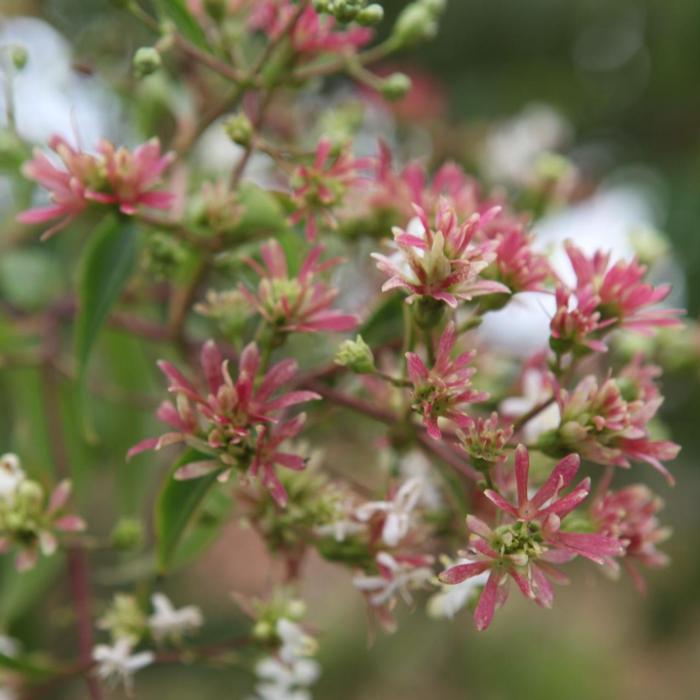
(396, 86)
(239, 129)
(127, 534)
(147, 60)
(417, 23)
(296, 609)
(356, 355)
(19, 56)
(322, 5)
(370, 15)
(263, 630)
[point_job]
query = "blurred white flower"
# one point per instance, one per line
(415, 465)
(11, 475)
(168, 622)
(511, 150)
(396, 579)
(49, 96)
(451, 599)
(398, 511)
(534, 392)
(116, 664)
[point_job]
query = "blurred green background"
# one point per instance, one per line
(626, 76)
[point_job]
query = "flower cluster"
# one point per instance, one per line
(444, 390)
(233, 424)
(443, 263)
(112, 176)
(299, 304)
(31, 521)
(603, 426)
(531, 540)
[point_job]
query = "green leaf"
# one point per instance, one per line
(385, 323)
(177, 505)
(205, 527)
(27, 666)
(187, 25)
(19, 592)
(107, 264)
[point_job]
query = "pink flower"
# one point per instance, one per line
(629, 515)
(623, 296)
(517, 265)
(546, 500)
(312, 33)
(530, 541)
(268, 455)
(576, 325)
(321, 186)
(603, 427)
(298, 304)
(515, 554)
(443, 263)
(68, 187)
(231, 420)
(112, 177)
(444, 390)
(131, 177)
(31, 523)
(484, 439)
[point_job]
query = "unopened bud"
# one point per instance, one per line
(19, 56)
(356, 355)
(396, 86)
(127, 534)
(417, 23)
(147, 60)
(370, 15)
(239, 129)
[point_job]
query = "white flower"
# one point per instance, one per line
(9, 646)
(11, 475)
(168, 622)
(451, 599)
(416, 465)
(534, 392)
(396, 579)
(340, 529)
(295, 642)
(398, 511)
(288, 676)
(116, 664)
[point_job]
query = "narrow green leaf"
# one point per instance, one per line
(107, 264)
(385, 323)
(27, 666)
(187, 25)
(177, 505)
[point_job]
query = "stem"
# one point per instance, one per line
(77, 561)
(532, 413)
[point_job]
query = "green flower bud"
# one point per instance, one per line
(417, 23)
(146, 61)
(19, 56)
(370, 15)
(396, 86)
(356, 355)
(649, 244)
(127, 534)
(239, 129)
